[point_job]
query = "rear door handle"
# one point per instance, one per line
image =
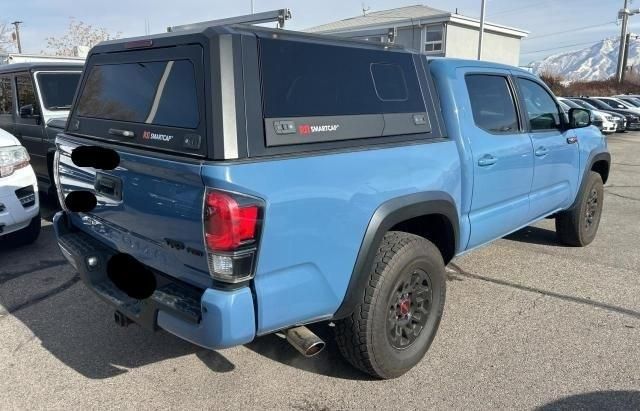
(487, 160)
(542, 151)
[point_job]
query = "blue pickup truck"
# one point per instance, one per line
(231, 182)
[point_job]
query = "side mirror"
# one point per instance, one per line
(28, 111)
(579, 118)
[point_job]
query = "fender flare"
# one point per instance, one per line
(593, 158)
(386, 216)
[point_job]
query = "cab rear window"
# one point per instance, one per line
(160, 93)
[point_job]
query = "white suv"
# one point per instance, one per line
(19, 203)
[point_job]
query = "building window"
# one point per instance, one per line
(433, 41)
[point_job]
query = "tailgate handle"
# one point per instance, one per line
(108, 186)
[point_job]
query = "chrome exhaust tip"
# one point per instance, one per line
(305, 341)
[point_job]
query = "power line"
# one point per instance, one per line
(507, 11)
(563, 47)
(571, 30)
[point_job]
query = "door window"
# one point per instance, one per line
(541, 107)
(492, 103)
(57, 89)
(26, 93)
(6, 96)
(615, 103)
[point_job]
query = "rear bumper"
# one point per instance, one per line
(209, 318)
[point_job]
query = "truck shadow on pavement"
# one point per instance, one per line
(328, 363)
(536, 235)
(74, 325)
(597, 400)
(43, 292)
(78, 329)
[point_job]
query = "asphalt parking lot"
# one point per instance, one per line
(528, 324)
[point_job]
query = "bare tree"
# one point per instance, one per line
(6, 41)
(554, 81)
(79, 34)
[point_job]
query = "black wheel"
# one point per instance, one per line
(578, 227)
(392, 328)
(27, 235)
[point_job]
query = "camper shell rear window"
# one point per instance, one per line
(154, 92)
(152, 98)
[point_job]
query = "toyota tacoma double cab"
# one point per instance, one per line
(228, 182)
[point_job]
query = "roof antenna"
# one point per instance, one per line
(365, 9)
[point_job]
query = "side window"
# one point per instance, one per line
(492, 103)
(309, 80)
(541, 108)
(389, 82)
(26, 92)
(6, 96)
(613, 103)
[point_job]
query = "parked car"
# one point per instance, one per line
(603, 121)
(248, 184)
(632, 117)
(633, 101)
(619, 104)
(34, 104)
(619, 119)
(19, 204)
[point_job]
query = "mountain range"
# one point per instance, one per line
(596, 62)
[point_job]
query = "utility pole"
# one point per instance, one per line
(626, 56)
(624, 40)
(252, 10)
(17, 26)
(624, 14)
(482, 12)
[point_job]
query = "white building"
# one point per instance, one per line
(11, 58)
(433, 32)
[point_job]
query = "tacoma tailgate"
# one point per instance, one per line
(146, 105)
(149, 207)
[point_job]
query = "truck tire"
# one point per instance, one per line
(578, 226)
(393, 326)
(27, 235)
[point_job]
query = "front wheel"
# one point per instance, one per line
(578, 227)
(393, 326)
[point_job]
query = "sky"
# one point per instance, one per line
(555, 26)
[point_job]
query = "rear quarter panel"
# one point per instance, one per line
(317, 211)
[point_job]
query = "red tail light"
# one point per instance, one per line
(228, 224)
(231, 229)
